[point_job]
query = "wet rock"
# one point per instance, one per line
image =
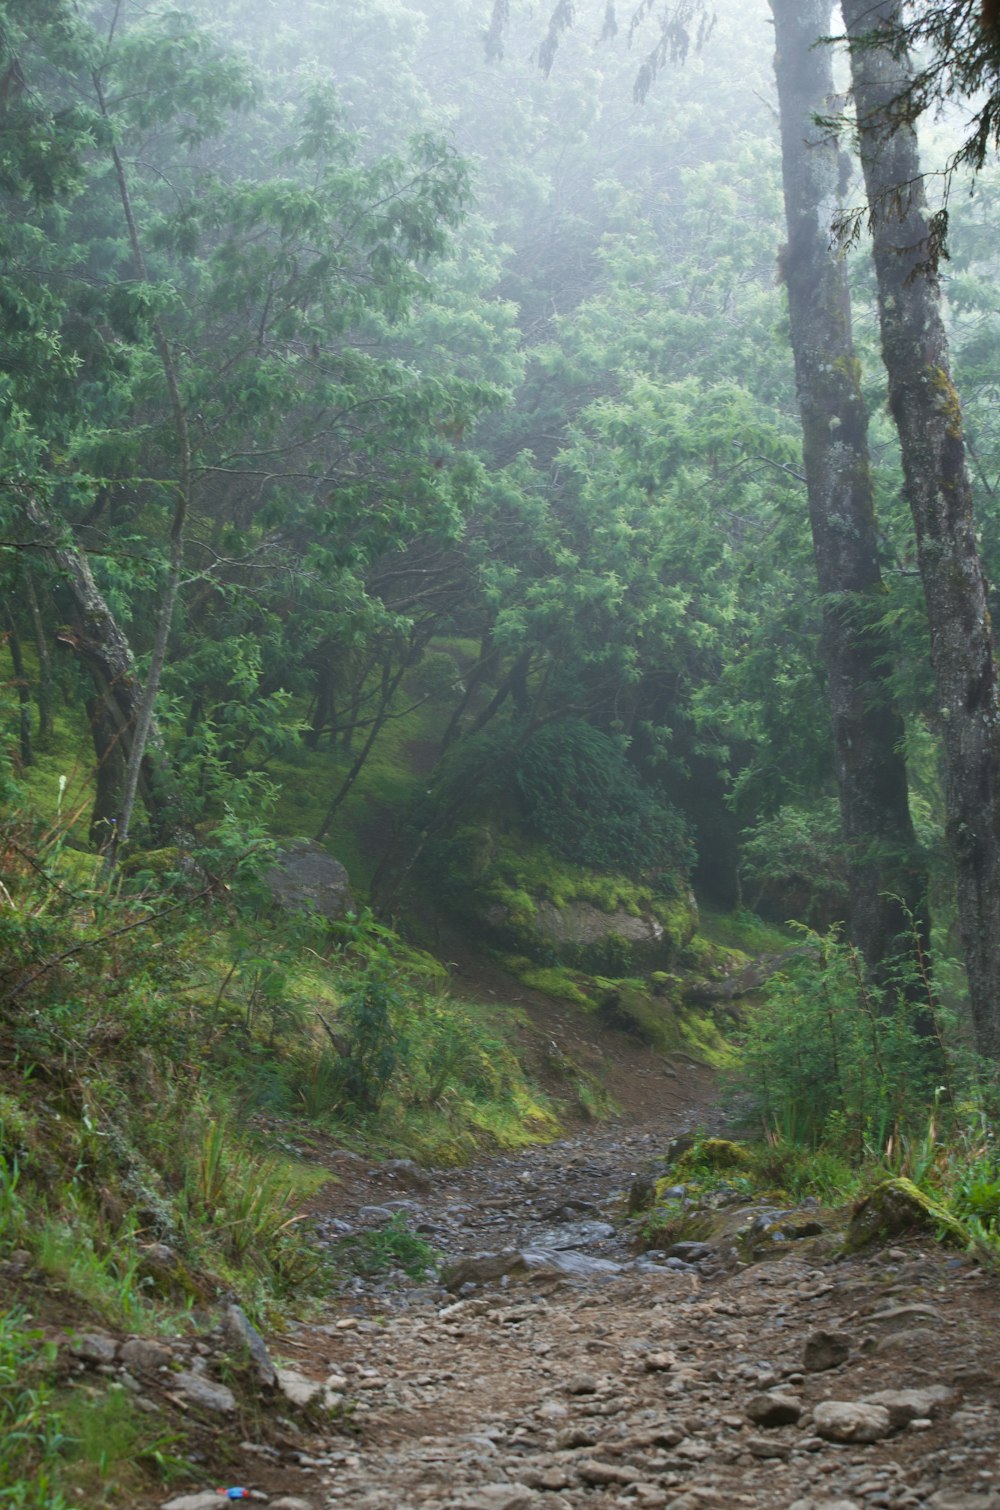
(407, 1173)
(308, 879)
(896, 1207)
(144, 1355)
(571, 1235)
(768, 1447)
(851, 1421)
(825, 1350)
(773, 1409)
(690, 1252)
(205, 1392)
(246, 1342)
(94, 1347)
(906, 1405)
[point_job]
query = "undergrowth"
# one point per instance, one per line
(171, 1049)
(849, 1084)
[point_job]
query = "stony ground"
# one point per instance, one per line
(557, 1368)
(569, 1382)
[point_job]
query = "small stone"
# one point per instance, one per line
(694, 1452)
(906, 1405)
(774, 1409)
(581, 1384)
(851, 1421)
(496, 1497)
(825, 1350)
(145, 1356)
(576, 1436)
(204, 1392)
(302, 1391)
(658, 1363)
(94, 1347)
(599, 1474)
(768, 1447)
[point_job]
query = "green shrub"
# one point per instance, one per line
(828, 1059)
(578, 792)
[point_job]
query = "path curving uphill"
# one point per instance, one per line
(555, 1369)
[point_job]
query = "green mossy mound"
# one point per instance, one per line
(517, 897)
(895, 1208)
(717, 1154)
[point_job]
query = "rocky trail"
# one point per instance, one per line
(553, 1367)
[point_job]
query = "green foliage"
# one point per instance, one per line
(394, 1246)
(796, 862)
(578, 792)
(829, 1059)
(373, 1045)
(31, 1432)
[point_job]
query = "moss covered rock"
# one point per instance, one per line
(896, 1207)
(529, 903)
(718, 1154)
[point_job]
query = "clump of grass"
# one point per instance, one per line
(31, 1431)
(394, 1246)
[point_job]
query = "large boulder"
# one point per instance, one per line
(305, 878)
(896, 1208)
(529, 903)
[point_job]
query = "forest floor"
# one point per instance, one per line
(555, 1367)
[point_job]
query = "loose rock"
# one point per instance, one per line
(851, 1421)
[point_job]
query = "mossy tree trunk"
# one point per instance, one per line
(888, 883)
(928, 418)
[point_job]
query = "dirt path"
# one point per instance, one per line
(577, 1375)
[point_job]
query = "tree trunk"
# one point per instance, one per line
(44, 684)
(110, 770)
(23, 692)
(887, 879)
(928, 418)
(102, 647)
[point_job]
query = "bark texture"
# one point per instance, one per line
(98, 640)
(886, 872)
(928, 418)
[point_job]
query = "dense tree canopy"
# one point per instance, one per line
(322, 401)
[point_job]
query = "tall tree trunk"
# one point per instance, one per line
(43, 691)
(102, 647)
(23, 691)
(928, 418)
(887, 880)
(110, 770)
(144, 720)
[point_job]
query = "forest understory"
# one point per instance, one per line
(499, 756)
